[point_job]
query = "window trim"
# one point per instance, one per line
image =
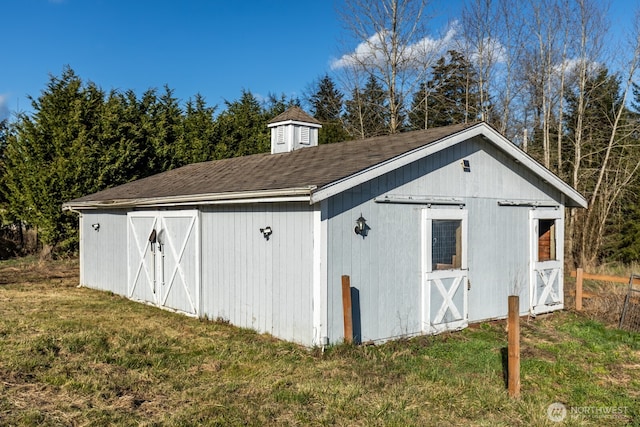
(431, 214)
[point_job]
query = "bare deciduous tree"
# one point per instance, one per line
(390, 33)
(619, 165)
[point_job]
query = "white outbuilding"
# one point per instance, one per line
(435, 228)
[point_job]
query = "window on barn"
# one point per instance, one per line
(547, 240)
(446, 247)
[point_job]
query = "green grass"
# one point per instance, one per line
(74, 356)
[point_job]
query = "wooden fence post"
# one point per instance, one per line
(579, 289)
(346, 309)
(513, 348)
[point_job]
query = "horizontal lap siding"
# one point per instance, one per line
(386, 268)
(103, 254)
(256, 283)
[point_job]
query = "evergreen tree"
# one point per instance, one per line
(419, 114)
(623, 242)
(166, 124)
(601, 97)
(606, 165)
(4, 132)
(51, 157)
(242, 128)
(125, 128)
(197, 141)
(277, 105)
(367, 113)
(453, 93)
(326, 106)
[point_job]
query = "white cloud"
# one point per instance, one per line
(422, 52)
(367, 52)
(428, 49)
(4, 109)
(492, 50)
(571, 66)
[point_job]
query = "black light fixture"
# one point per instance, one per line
(266, 232)
(96, 226)
(361, 226)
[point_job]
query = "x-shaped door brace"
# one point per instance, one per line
(447, 296)
(141, 253)
(548, 282)
(177, 256)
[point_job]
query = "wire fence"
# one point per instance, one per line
(614, 300)
(630, 317)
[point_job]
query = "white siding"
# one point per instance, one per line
(385, 267)
(103, 253)
(257, 283)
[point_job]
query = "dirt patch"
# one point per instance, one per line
(65, 272)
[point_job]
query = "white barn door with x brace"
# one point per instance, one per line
(164, 259)
(547, 258)
(445, 272)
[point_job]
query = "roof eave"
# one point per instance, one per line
(294, 122)
(574, 198)
(299, 194)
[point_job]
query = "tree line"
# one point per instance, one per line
(548, 74)
(538, 72)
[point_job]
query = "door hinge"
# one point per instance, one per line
(468, 284)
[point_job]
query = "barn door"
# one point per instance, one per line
(164, 267)
(142, 284)
(445, 270)
(547, 253)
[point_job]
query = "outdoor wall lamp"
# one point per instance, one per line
(266, 232)
(96, 226)
(361, 226)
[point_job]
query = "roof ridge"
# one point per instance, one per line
(294, 113)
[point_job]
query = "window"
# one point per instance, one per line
(446, 245)
(546, 240)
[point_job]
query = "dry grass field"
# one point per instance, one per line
(72, 356)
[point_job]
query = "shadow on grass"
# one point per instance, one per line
(504, 355)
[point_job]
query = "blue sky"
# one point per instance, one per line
(213, 47)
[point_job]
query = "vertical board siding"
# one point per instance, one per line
(267, 285)
(385, 267)
(103, 255)
(257, 283)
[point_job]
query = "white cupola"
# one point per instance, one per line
(292, 130)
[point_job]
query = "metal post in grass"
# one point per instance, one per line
(346, 309)
(514, 346)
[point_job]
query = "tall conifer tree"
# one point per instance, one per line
(326, 106)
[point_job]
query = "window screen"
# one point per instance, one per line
(546, 240)
(446, 246)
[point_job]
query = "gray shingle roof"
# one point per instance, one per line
(312, 167)
(295, 114)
